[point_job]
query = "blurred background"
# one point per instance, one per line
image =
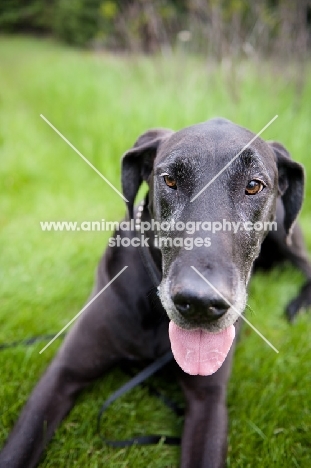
(103, 72)
(214, 28)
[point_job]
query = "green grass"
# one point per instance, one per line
(101, 103)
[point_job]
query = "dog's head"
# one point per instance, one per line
(209, 179)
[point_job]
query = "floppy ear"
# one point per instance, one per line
(291, 184)
(137, 163)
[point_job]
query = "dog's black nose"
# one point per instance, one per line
(200, 309)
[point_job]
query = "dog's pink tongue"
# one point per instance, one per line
(198, 351)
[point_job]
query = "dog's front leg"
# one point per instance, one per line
(50, 401)
(204, 440)
(86, 353)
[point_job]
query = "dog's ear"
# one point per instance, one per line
(137, 163)
(291, 184)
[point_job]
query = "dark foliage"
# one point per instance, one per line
(217, 27)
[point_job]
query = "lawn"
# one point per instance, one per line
(101, 103)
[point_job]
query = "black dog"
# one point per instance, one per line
(260, 185)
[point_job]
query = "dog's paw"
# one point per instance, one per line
(302, 301)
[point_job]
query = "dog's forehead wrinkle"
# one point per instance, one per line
(202, 155)
(180, 164)
(248, 163)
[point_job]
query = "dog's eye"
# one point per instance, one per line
(254, 186)
(170, 181)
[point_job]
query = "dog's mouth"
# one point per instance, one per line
(200, 346)
(199, 352)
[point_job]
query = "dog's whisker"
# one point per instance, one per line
(235, 309)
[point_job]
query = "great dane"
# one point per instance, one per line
(201, 284)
